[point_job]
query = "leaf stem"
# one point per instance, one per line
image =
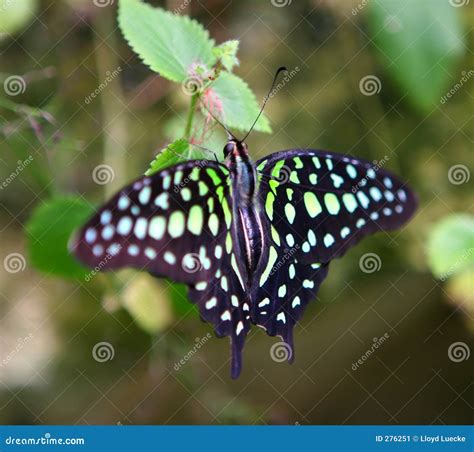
(189, 122)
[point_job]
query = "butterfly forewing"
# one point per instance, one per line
(324, 203)
(166, 223)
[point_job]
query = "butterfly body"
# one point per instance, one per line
(246, 208)
(261, 234)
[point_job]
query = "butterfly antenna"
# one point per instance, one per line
(277, 73)
(230, 135)
(207, 150)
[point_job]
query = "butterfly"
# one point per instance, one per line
(252, 241)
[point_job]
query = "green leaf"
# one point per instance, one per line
(451, 245)
(227, 54)
(419, 44)
(238, 103)
(48, 232)
(178, 151)
(171, 155)
(169, 44)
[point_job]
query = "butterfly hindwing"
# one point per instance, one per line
(281, 297)
(224, 303)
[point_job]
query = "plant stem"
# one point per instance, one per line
(114, 114)
(191, 112)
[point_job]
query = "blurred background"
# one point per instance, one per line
(389, 339)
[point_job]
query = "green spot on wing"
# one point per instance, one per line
(269, 204)
(312, 204)
(332, 203)
(349, 201)
(195, 220)
(298, 163)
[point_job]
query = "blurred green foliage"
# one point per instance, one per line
(14, 19)
(408, 55)
(451, 245)
(417, 47)
(49, 231)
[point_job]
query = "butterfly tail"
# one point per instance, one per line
(236, 364)
(288, 338)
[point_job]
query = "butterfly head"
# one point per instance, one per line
(235, 150)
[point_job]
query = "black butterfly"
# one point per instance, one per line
(252, 241)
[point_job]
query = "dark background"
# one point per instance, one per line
(65, 49)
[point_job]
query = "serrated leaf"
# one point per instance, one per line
(178, 151)
(169, 44)
(239, 106)
(171, 155)
(48, 232)
(419, 45)
(451, 245)
(227, 54)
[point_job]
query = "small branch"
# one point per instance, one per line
(113, 104)
(189, 122)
